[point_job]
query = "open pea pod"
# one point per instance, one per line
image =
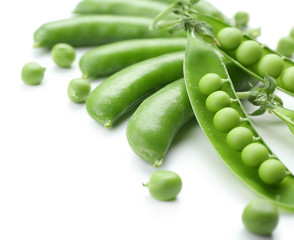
(201, 59)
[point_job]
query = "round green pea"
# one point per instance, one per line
(78, 90)
(32, 73)
(260, 217)
(226, 119)
(270, 64)
(217, 100)
(229, 38)
(164, 185)
(209, 83)
(239, 137)
(288, 79)
(272, 171)
(241, 19)
(63, 55)
(254, 154)
(286, 46)
(249, 52)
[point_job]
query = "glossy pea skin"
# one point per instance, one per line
(32, 73)
(164, 185)
(209, 83)
(272, 171)
(226, 119)
(63, 55)
(78, 90)
(254, 154)
(217, 100)
(239, 137)
(249, 52)
(229, 38)
(270, 64)
(286, 46)
(260, 217)
(288, 79)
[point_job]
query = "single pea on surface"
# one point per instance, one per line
(78, 90)
(286, 46)
(63, 55)
(229, 38)
(260, 217)
(164, 185)
(32, 73)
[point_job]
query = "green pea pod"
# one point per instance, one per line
(204, 56)
(122, 91)
(110, 58)
(95, 30)
(157, 120)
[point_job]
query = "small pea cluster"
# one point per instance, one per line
(240, 138)
(253, 55)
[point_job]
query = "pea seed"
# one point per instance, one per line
(286, 46)
(271, 64)
(226, 119)
(78, 90)
(63, 55)
(254, 154)
(164, 185)
(249, 52)
(272, 171)
(32, 73)
(260, 217)
(229, 38)
(288, 79)
(241, 19)
(239, 137)
(217, 100)
(210, 83)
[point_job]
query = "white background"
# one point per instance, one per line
(64, 177)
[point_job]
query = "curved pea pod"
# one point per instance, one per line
(204, 56)
(157, 120)
(94, 30)
(125, 89)
(110, 58)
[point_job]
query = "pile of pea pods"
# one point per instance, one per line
(170, 79)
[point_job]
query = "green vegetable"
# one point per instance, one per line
(249, 52)
(254, 154)
(78, 90)
(292, 33)
(226, 119)
(32, 73)
(286, 46)
(270, 64)
(217, 100)
(239, 137)
(210, 83)
(229, 38)
(272, 171)
(260, 217)
(241, 19)
(288, 79)
(164, 185)
(63, 55)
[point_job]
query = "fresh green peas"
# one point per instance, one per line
(78, 90)
(63, 55)
(229, 38)
(32, 73)
(241, 19)
(254, 154)
(210, 83)
(272, 171)
(226, 119)
(270, 64)
(286, 46)
(217, 100)
(288, 79)
(239, 137)
(260, 217)
(249, 52)
(164, 185)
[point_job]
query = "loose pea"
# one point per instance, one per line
(210, 83)
(217, 100)
(260, 217)
(226, 119)
(254, 154)
(32, 73)
(229, 38)
(241, 19)
(239, 137)
(164, 185)
(249, 52)
(272, 171)
(288, 79)
(78, 90)
(272, 64)
(286, 46)
(63, 55)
